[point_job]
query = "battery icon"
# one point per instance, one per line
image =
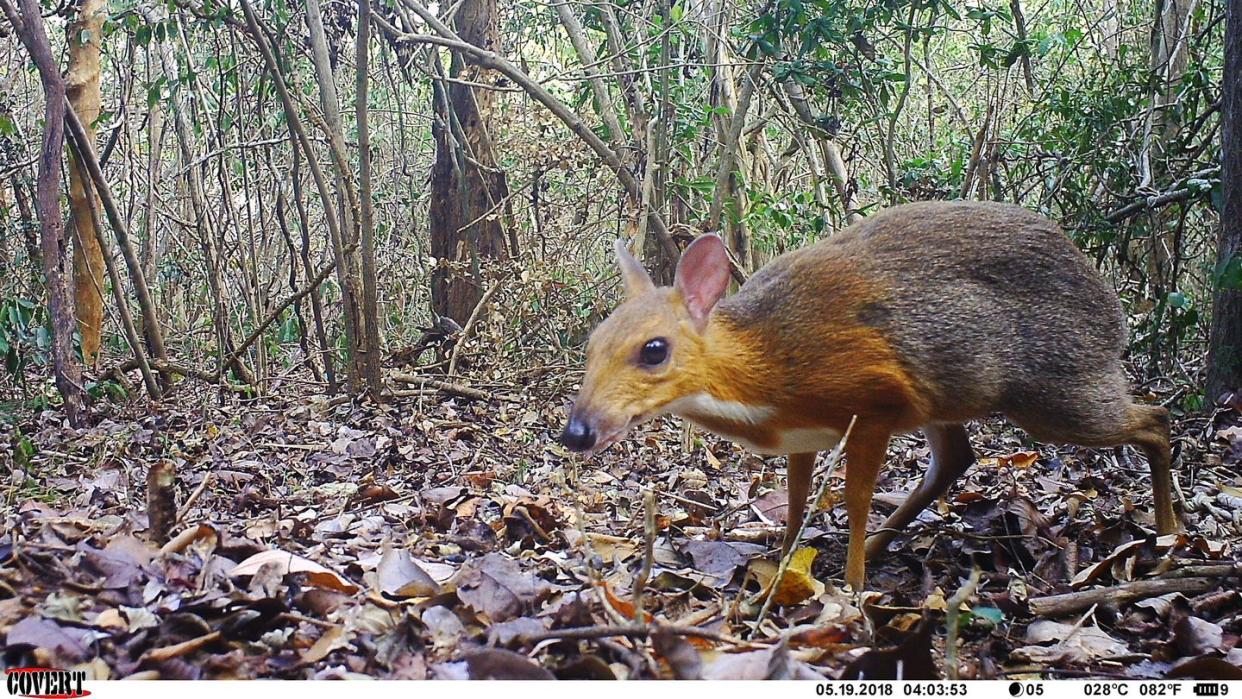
(1207, 689)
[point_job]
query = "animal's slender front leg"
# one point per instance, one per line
(864, 455)
(800, 468)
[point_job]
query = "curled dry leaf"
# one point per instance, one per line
(63, 643)
(1021, 459)
(610, 548)
(182, 541)
(1069, 644)
(756, 665)
(400, 576)
(624, 607)
(1120, 562)
(331, 639)
(445, 628)
(291, 563)
(683, 660)
(156, 655)
(720, 559)
(495, 585)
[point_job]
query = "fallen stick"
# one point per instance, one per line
(1055, 606)
(180, 370)
(579, 633)
(649, 536)
(1208, 570)
(177, 650)
(198, 493)
(445, 386)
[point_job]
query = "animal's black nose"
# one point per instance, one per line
(578, 435)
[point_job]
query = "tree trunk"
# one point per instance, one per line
(304, 251)
(1225, 348)
(82, 87)
(29, 27)
(347, 267)
(370, 297)
(833, 162)
(468, 189)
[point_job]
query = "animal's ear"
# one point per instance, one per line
(637, 281)
(702, 277)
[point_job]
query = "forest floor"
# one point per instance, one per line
(443, 537)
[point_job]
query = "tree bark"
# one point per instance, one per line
(833, 162)
(738, 102)
(82, 88)
(28, 223)
(298, 133)
(347, 265)
(84, 156)
(468, 188)
(29, 27)
(1225, 345)
(114, 277)
(370, 298)
(586, 55)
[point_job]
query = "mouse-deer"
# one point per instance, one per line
(922, 316)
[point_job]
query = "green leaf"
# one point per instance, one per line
(987, 616)
(23, 449)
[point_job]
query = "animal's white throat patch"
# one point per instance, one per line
(705, 405)
(802, 440)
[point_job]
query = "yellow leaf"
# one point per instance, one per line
(797, 585)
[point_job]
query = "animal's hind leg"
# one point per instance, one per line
(1103, 415)
(1148, 429)
(951, 456)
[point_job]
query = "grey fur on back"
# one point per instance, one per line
(989, 305)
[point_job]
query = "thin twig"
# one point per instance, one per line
(955, 605)
(649, 535)
(470, 323)
(198, 493)
(834, 458)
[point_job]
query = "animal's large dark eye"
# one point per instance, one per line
(654, 352)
